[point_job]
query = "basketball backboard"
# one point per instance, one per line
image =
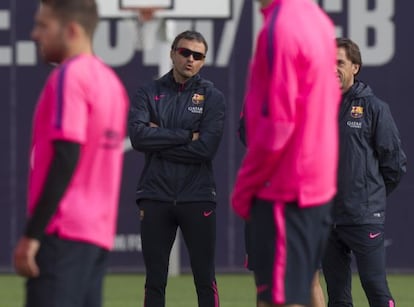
(126, 4)
(184, 9)
(120, 8)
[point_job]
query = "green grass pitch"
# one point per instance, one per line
(236, 290)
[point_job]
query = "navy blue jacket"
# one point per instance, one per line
(177, 169)
(372, 161)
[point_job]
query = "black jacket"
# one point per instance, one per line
(177, 169)
(371, 160)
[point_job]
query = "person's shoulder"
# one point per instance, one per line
(209, 87)
(301, 26)
(74, 69)
(216, 97)
(215, 91)
(59, 75)
(375, 103)
(150, 86)
(367, 91)
(163, 83)
(202, 82)
(75, 64)
(290, 10)
(54, 75)
(379, 105)
(84, 63)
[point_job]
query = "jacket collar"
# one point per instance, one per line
(357, 90)
(169, 80)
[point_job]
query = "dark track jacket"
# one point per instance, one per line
(177, 169)
(372, 161)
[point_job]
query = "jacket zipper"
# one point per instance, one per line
(180, 90)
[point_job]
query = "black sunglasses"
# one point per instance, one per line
(198, 56)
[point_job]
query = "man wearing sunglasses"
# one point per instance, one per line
(177, 122)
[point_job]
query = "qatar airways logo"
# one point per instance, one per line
(196, 110)
(369, 22)
(354, 124)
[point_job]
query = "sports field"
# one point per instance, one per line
(235, 291)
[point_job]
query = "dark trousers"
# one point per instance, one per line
(286, 246)
(71, 275)
(159, 223)
(366, 242)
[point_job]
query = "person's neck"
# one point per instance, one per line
(179, 79)
(79, 49)
(344, 91)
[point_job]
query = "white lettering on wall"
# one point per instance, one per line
(127, 243)
(372, 27)
(23, 51)
(380, 21)
(361, 20)
(123, 50)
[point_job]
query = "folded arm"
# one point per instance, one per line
(147, 138)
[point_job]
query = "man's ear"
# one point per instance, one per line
(73, 29)
(355, 68)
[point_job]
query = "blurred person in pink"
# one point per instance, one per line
(75, 164)
(288, 176)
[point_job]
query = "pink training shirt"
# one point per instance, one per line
(291, 108)
(84, 102)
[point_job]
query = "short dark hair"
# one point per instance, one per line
(351, 49)
(189, 35)
(84, 12)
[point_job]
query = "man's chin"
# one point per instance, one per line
(188, 73)
(52, 59)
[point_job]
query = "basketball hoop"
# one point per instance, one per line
(145, 14)
(147, 25)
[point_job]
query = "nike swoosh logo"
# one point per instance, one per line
(207, 213)
(159, 97)
(262, 288)
(373, 235)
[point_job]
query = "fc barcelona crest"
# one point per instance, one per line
(357, 111)
(198, 99)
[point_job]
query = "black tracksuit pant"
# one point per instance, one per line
(366, 242)
(159, 223)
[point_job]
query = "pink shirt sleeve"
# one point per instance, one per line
(70, 106)
(271, 122)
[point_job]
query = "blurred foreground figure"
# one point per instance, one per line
(75, 164)
(288, 176)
